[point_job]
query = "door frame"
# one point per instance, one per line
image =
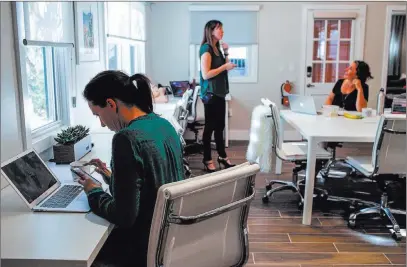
(359, 39)
(390, 11)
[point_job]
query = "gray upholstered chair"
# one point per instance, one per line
(201, 222)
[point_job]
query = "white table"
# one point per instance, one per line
(317, 129)
(49, 239)
(168, 108)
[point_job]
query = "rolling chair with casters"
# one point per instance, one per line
(386, 166)
(295, 152)
(195, 122)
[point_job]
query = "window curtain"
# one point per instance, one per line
(397, 35)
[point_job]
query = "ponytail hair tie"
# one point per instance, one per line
(135, 84)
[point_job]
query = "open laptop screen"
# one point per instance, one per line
(179, 87)
(30, 176)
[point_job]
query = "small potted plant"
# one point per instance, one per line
(72, 144)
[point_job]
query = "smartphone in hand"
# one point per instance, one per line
(79, 172)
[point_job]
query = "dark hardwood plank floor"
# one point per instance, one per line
(277, 237)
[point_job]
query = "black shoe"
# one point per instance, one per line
(225, 163)
(206, 168)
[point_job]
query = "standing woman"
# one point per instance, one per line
(214, 88)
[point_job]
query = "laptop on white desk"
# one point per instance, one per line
(302, 104)
(39, 188)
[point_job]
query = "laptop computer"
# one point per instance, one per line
(302, 104)
(39, 188)
(179, 87)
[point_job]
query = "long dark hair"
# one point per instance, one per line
(363, 71)
(131, 90)
(207, 34)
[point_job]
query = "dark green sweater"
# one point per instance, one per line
(145, 155)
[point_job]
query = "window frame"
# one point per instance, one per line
(252, 63)
(40, 138)
(121, 41)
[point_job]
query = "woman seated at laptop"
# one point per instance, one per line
(352, 92)
(146, 153)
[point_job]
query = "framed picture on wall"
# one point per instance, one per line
(87, 31)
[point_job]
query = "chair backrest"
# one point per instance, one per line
(388, 155)
(197, 108)
(181, 110)
(275, 116)
(202, 221)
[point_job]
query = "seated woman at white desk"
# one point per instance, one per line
(146, 153)
(352, 92)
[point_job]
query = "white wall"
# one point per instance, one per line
(11, 139)
(279, 51)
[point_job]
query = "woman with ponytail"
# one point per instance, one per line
(146, 153)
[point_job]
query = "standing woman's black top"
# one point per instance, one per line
(348, 101)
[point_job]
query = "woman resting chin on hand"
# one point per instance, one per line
(352, 92)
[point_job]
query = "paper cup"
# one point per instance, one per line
(367, 112)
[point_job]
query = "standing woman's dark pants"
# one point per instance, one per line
(214, 122)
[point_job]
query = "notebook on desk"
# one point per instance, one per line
(39, 188)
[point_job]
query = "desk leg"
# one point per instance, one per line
(309, 182)
(226, 131)
(279, 163)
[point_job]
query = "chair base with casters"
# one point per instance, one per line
(381, 211)
(295, 152)
(197, 146)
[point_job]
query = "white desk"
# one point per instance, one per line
(165, 109)
(48, 239)
(317, 129)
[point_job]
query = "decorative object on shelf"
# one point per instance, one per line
(72, 144)
(87, 31)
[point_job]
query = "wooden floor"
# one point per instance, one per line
(277, 237)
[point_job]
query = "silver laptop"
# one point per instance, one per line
(39, 188)
(302, 104)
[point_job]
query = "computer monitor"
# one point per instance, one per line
(179, 87)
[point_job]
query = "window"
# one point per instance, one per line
(46, 56)
(125, 27)
(240, 26)
(332, 49)
(245, 57)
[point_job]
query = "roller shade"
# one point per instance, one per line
(49, 22)
(240, 26)
(334, 15)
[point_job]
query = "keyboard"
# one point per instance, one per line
(63, 197)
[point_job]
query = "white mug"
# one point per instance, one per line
(367, 112)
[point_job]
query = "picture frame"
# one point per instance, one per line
(86, 31)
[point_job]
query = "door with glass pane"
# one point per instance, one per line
(330, 49)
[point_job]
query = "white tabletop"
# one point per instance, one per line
(166, 108)
(46, 238)
(335, 129)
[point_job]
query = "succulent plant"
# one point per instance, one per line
(71, 135)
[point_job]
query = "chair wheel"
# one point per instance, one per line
(268, 187)
(265, 199)
(396, 236)
(352, 224)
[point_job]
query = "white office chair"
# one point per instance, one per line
(295, 152)
(202, 221)
(196, 121)
(388, 158)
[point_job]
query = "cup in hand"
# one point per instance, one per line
(82, 165)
